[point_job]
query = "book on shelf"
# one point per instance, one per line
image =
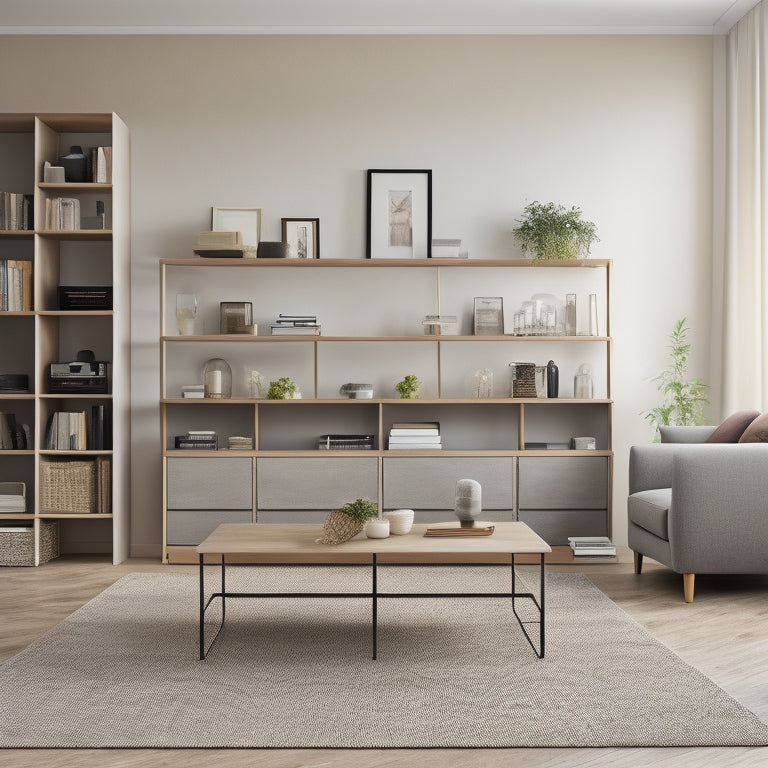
(289, 319)
(66, 431)
(240, 443)
(16, 211)
(414, 446)
(295, 330)
(101, 165)
(345, 442)
(409, 441)
(592, 546)
(62, 213)
(198, 440)
(100, 433)
(415, 428)
(15, 285)
(103, 485)
(193, 391)
(547, 446)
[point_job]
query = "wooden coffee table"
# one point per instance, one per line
(242, 540)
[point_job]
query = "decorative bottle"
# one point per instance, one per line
(553, 379)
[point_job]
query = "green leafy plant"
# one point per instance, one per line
(360, 510)
(552, 231)
(408, 388)
(282, 389)
(683, 399)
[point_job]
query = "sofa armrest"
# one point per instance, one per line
(718, 517)
(650, 465)
(693, 434)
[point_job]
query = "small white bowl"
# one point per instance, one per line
(377, 529)
(400, 521)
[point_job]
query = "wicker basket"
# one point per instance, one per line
(524, 379)
(68, 486)
(339, 527)
(17, 544)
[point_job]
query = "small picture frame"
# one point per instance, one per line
(244, 220)
(399, 214)
(235, 317)
(489, 316)
(302, 237)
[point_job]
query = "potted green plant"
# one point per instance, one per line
(346, 522)
(283, 388)
(408, 388)
(683, 399)
(551, 231)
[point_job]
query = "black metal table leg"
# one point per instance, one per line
(374, 618)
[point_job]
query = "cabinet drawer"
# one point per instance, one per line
(191, 526)
(209, 483)
(430, 483)
(563, 483)
(321, 483)
(556, 525)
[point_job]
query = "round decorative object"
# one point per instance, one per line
(357, 391)
(377, 529)
(468, 502)
(400, 521)
(217, 379)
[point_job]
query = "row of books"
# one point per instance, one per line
(16, 211)
(296, 325)
(101, 164)
(345, 442)
(71, 431)
(62, 213)
(419, 435)
(14, 436)
(15, 285)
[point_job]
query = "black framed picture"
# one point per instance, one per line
(302, 237)
(399, 214)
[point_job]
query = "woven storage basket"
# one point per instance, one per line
(17, 546)
(524, 383)
(338, 528)
(68, 486)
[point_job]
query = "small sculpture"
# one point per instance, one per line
(468, 502)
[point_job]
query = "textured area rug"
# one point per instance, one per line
(123, 671)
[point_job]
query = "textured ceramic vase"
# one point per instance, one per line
(468, 504)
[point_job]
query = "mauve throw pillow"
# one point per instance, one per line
(757, 431)
(731, 430)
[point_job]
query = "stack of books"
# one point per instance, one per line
(345, 442)
(239, 443)
(193, 391)
(197, 440)
(16, 211)
(592, 546)
(295, 325)
(12, 498)
(418, 435)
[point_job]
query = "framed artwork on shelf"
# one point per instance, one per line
(399, 214)
(302, 237)
(244, 220)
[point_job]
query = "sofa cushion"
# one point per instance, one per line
(650, 510)
(733, 427)
(757, 431)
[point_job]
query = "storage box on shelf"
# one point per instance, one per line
(377, 336)
(82, 254)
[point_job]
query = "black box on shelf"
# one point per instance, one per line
(85, 297)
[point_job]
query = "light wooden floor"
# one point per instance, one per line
(724, 633)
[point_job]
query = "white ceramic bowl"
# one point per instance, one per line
(400, 521)
(377, 529)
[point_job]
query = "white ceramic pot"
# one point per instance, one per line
(400, 521)
(377, 529)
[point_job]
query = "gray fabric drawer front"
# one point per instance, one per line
(186, 527)
(563, 483)
(430, 483)
(650, 510)
(321, 483)
(208, 483)
(556, 525)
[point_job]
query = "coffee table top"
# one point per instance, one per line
(268, 538)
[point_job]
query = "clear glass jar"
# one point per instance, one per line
(217, 379)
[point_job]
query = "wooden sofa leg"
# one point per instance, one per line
(688, 579)
(638, 562)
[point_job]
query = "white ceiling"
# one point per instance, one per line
(371, 16)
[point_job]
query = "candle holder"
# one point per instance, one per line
(217, 379)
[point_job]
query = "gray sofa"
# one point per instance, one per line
(699, 507)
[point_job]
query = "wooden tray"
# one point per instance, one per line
(487, 531)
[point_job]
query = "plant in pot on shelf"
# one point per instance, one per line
(408, 388)
(683, 399)
(346, 522)
(551, 231)
(283, 388)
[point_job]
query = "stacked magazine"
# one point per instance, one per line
(592, 546)
(419, 435)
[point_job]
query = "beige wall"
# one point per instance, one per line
(621, 126)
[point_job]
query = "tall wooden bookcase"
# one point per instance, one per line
(371, 313)
(44, 334)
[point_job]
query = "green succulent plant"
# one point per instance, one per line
(281, 389)
(360, 510)
(408, 387)
(551, 231)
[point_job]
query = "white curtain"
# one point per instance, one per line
(745, 266)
